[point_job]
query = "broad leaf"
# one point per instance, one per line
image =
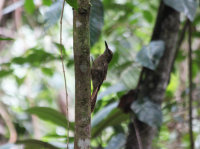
(117, 142)
(147, 15)
(102, 114)
(72, 3)
(46, 2)
(113, 117)
(33, 144)
(35, 58)
(112, 89)
(96, 21)
(149, 56)
(148, 112)
(4, 73)
(29, 6)
(187, 6)
(52, 15)
(51, 115)
(47, 71)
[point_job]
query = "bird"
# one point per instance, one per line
(99, 72)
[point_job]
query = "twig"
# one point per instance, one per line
(190, 86)
(137, 134)
(64, 72)
(180, 40)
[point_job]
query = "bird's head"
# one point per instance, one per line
(108, 53)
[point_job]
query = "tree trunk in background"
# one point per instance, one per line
(81, 37)
(154, 83)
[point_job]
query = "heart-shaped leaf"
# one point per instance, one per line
(149, 56)
(187, 6)
(148, 112)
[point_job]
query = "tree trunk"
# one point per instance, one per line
(81, 37)
(154, 83)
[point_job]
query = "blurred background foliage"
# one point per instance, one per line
(32, 85)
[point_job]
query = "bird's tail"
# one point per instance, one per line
(94, 98)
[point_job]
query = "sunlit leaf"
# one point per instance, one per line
(96, 21)
(4, 73)
(33, 144)
(148, 112)
(187, 6)
(147, 15)
(51, 115)
(149, 56)
(47, 71)
(117, 142)
(29, 6)
(47, 2)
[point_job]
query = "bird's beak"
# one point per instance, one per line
(106, 46)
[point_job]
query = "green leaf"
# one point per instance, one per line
(108, 116)
(33, 144)
(47, 2)
(189, 7)
(196, 34)
(19, 60)
(6, 39)
(51, 115)
(47, 71)
(117, 142)
(73, 3)
(148, 112)
(112, 89)
(96, 21)
(147, 15)
(149, 56)
(36, 57)
(71, 139)
(29, 6)
(20, 81)
(4, 73)
(102, 114)
(52, 15)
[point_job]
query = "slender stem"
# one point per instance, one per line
(64, 73)
(190, 86)
(137, 134)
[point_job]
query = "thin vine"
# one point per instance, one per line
(64, 72)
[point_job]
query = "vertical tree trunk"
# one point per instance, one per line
(154, 83)
(81, 37)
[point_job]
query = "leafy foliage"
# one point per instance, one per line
(32, 144)
(72, 3)
(149, 56)
(29, 6)
(187, 6)
(51, 115)
(96, 20)
(148, 112)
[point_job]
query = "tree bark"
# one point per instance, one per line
(154, 83)
(81, 37)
